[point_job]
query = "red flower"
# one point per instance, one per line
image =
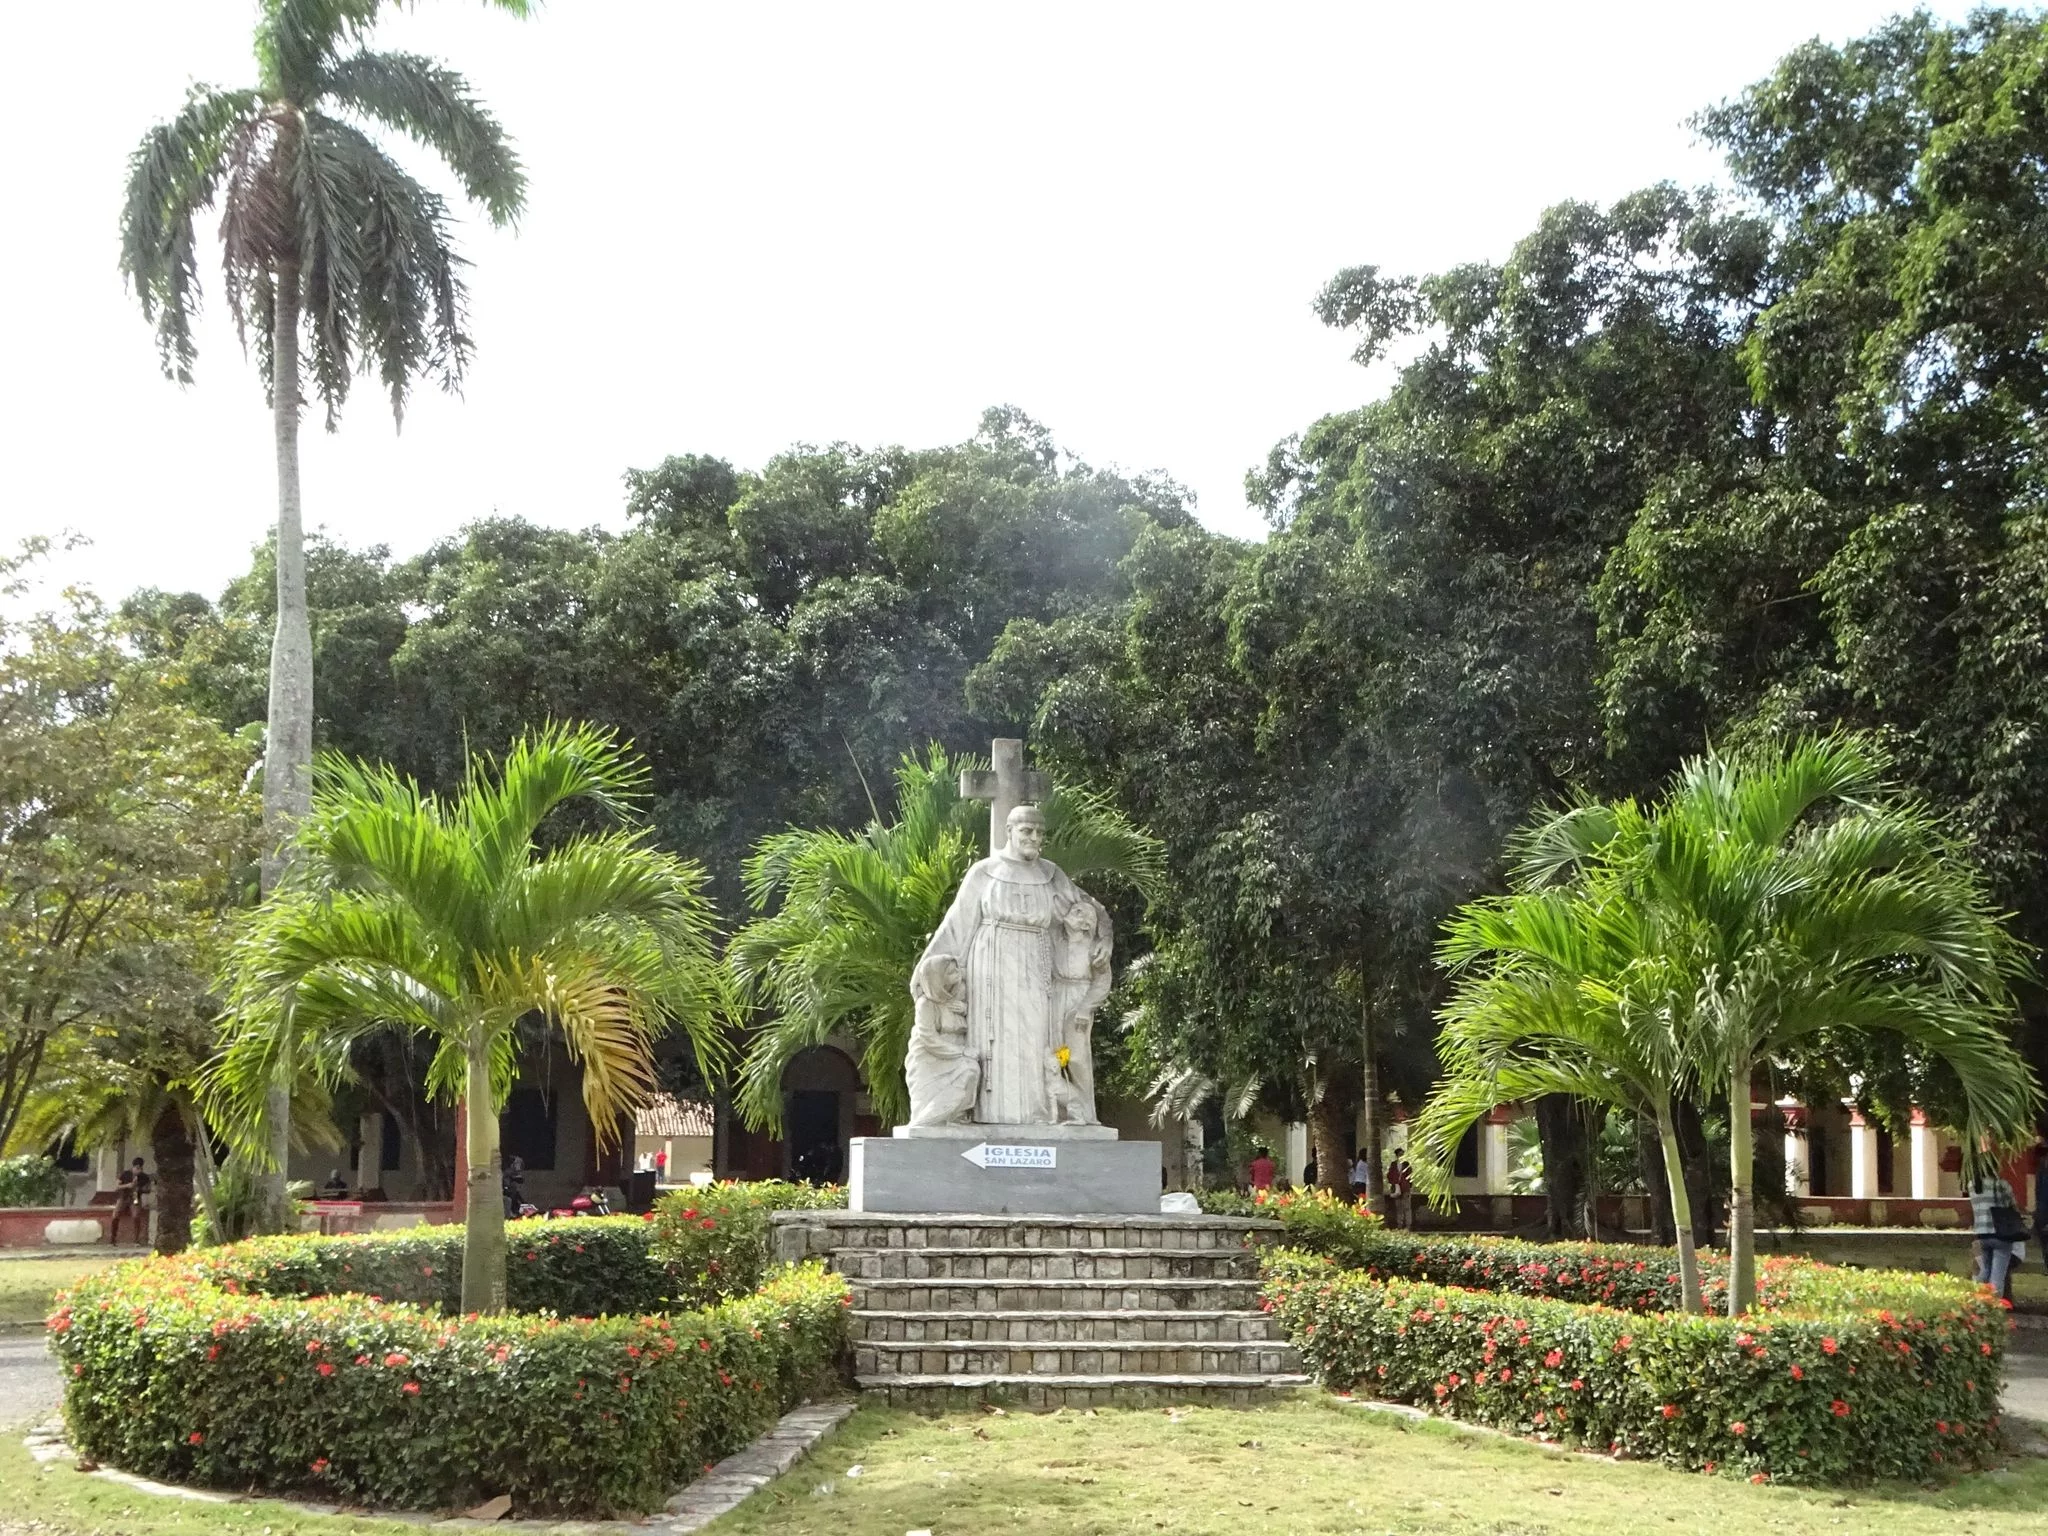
(213, 1351)
(1798, 1374)
(704, 1344)
(1983, 1349)
(724, 1380)
(1827, 1346)
(319, 1465)
(394, 1359)
(195, 1437)
(1759, 1477)
(326, 1368)
(411, 1389)
(1671, 1410)
(1738, 1428)
(1839, 1409)
(313, 1347)
(1578, 1385)
(1554, 1359)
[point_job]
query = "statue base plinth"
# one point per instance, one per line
(1005, 1133)
(1004, 1170)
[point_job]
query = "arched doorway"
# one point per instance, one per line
(820, 1090)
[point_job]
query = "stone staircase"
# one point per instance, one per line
(1051, 1311)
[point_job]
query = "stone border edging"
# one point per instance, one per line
(722, 1489)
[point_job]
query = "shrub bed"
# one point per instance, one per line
(1846, 1375)
(334, 1367)
(717, 1236)
(1630, 1276)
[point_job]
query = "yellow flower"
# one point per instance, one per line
(1063, 1056)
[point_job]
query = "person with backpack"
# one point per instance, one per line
(1997, 1226)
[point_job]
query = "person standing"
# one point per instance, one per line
(1402, 1187)
(1262, 1169)
(1361, 1178)
(1997, 1225)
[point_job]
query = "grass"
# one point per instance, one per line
(1305, 1465)
(1311, 1464)
(26, 1285)
(54, 1500)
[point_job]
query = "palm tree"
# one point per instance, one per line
(844, 917)
(1773, 897)
(446, 919)
(1561, 990)
(327, 243)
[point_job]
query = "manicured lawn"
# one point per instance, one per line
(1310, 1465)
(53, 1500)
(26, 1285)
(1306, 1466)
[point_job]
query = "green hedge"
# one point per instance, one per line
(1630, 1276)
(225, 1370)
(717, 1236)
(580, 1268)
(1847, 1374)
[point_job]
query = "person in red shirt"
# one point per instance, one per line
(1262, 1168)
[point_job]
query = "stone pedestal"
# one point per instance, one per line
(1004, 1170)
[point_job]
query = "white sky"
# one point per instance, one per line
(757, 224)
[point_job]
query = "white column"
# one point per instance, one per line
(106, 1168)
(1493, 1157)
(370, 1161)
(1862, 1158)
(1295, 1156)
(1926, 1157)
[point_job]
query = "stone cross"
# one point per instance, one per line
(1005, 787)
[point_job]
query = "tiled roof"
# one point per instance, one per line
(666, 1115)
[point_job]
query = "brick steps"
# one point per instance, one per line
(1165, 1325)
(1235, 1357)
(1019, 1263)
(1051, 1311)
(939, 1394)
(1055, 1295)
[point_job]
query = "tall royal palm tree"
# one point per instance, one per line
(843, 918)
(449, 919)
(1771, 898)
(335, 259)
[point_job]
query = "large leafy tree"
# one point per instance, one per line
(1875, 553)
(334, 257)
(126, 837)
(458, 919)
(842, 918)
(774, 640)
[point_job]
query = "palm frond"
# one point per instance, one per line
(173, 176)
(436, 107)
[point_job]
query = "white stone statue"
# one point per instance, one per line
(1032, 950)
(943, 1074)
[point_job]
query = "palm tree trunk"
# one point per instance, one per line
(483, 1238)
(204, 1169)
(1375, 1163)
(288, 743)
(1741, 1204)
(1681, 1208)
(171, 1144)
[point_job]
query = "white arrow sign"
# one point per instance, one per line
(985, 1156)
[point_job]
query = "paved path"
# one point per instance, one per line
(28, 1379)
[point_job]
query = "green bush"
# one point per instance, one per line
(30, 1180)
(580, 1268)
(1631, 1276)
(718, 1234)
(1847, 1374)
(229, 1369)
